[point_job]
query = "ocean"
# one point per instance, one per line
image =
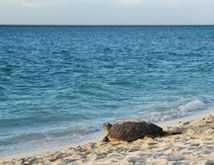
(58, 84)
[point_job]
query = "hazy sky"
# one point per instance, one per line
(106, 11)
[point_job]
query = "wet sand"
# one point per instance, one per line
(194, 146)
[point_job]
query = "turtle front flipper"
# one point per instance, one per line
(106, 139)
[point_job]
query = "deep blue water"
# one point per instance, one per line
(59, 83)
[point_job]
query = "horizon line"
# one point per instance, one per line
(106, 24)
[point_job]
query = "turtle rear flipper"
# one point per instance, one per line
(168, 133)
(174, 131)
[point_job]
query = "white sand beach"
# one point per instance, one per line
(194, 146)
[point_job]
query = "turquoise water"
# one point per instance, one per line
(59, 83)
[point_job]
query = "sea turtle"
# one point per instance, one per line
(133, 130)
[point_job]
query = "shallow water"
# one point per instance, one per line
(59, 83)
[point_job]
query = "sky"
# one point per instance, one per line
(107, 12)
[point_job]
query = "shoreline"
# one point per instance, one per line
(96, 138)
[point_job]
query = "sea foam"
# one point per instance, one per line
(194, 105)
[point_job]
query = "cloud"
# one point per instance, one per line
(38, 3)
(34, 3)
(129, 3)
(46, 3)
(91, 3)
(107, 11)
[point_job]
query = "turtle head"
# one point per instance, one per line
(107, 126)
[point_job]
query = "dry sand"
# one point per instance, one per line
(194, 146)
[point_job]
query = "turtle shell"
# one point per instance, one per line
(129, 131)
